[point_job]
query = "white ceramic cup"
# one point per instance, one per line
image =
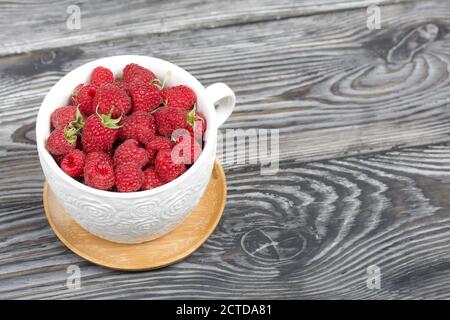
(136, 216)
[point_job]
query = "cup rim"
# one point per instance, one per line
(208, 146)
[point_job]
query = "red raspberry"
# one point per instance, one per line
(62, 140)
(109, 97)
(139, 126)
(151, 179)
(181, 97)
(199, 128)
(101, 76)
(58, 159)
(83, 97)
(99, 133)
(166, 168)
(169, 119)
(134, 72)
(144, 96)
(121, 84)
(156, 144)
(130, 151)
(99, 171)
(73, 163)
(186, 150)
(63, 116)
(129, 177)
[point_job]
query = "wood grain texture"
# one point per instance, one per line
(364, 125)
(117, 19)
(309, 232)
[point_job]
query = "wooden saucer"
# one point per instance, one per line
(173, 247)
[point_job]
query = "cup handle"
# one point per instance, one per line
(223, 97)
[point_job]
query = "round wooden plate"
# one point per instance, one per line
(173, 247)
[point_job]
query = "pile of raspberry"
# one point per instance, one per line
(127, 134)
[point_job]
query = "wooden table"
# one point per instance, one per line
(364, 122)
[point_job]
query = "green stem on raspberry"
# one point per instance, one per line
(155, 82)
(107, 119)
(192, 116)
(78, 123)
(70, 134)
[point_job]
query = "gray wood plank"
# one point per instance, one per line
(329, 221)
(37, 25)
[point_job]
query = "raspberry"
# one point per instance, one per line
(134, 72)
(62, 140)
(69, 116)
(199, 128)
(101, 76)
(73, 163)
(156, 144)
(166, 169)
(83, 97)
(121, 84)
(169, 119)
(109, 97)
(58, 159)
(139, 126)
(186, 150)
(151, 179)
(181, 97)
(63, 116)
(144, 96)
(99, 171)
(130, 151)
(99, 133)
(129, 177)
